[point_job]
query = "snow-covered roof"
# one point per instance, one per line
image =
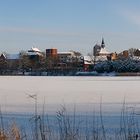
(12, 56)
(103, 51)
(3, 55)
(35, 53)
(101, 58)
(88, 60)
(34, 50)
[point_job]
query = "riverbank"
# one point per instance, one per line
(92, 73)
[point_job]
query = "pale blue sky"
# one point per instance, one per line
(69, 24)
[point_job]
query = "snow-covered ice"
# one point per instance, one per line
(67, 90)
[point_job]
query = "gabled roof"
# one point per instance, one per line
(3, 55)
(33, 49)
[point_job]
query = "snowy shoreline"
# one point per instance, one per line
(107, 74)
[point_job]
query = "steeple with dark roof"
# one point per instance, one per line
(102, 44)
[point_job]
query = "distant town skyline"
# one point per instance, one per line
(69, 24)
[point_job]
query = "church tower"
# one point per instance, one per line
(103, 43)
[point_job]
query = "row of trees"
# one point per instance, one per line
(124, 65)
(25, 64)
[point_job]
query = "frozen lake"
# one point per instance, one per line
(82, 91)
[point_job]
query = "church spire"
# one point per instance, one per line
(103, 43)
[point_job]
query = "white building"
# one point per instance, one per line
(70, 56)
(34, 51)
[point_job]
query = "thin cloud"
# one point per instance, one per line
(23, 30)
(132, 16)
(43, 32)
